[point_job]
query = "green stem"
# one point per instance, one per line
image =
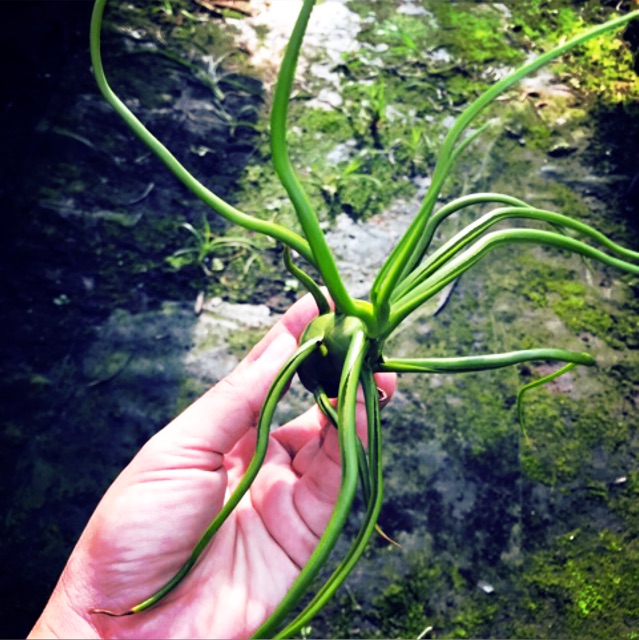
(538, 383)
(347, 434)
(464, 261)
(407, 252)
(440, 216)
(324, 403)
(374, 504)
(323, 257)
(483, 362)
(433, 220)
(278, 232)
(307, 282)
(325, 406)
(474, 230)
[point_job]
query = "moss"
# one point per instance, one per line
(602, 67)
(190, 390)
(329, 122)
(579, 306)
(350, 185)
(240, 342)
(579, 315)
(406, 598)
(567, 438)
(566, 201)
(585, 314)
(477, 36)
(555, 451)
(583, 586)
(460, 87)
(625, 500)
(405, 607)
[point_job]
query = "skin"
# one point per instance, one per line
(153, 514)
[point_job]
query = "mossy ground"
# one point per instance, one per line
(569, 480)
(550, 525)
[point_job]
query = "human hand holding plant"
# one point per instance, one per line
(154, 513)
(338, 354)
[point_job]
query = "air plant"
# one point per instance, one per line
(341, 349)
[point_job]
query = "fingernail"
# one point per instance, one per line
(384, 398)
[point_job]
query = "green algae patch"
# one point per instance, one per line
(585, 585)
(476, 35)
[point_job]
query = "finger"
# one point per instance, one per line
(216, 421)
(386, 386)
(295, 498)
(298, 432)
(294, 321)
(315, 474)
(319, 467)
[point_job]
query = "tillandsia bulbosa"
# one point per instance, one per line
(343, 346)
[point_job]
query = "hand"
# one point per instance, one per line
(150, 519)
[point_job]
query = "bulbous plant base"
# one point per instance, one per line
(323, 368)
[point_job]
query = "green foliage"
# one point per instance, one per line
(212, 252)
(353, 183)
(345, 189)
(603, 67)
(404, 37)
(606, 68)
(365, 106)
(413, 148)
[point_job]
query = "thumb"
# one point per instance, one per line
(223, 415)
(217, 420)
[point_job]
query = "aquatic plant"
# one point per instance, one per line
(342, 348)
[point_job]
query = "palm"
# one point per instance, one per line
(155, 512)
(250, 563)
